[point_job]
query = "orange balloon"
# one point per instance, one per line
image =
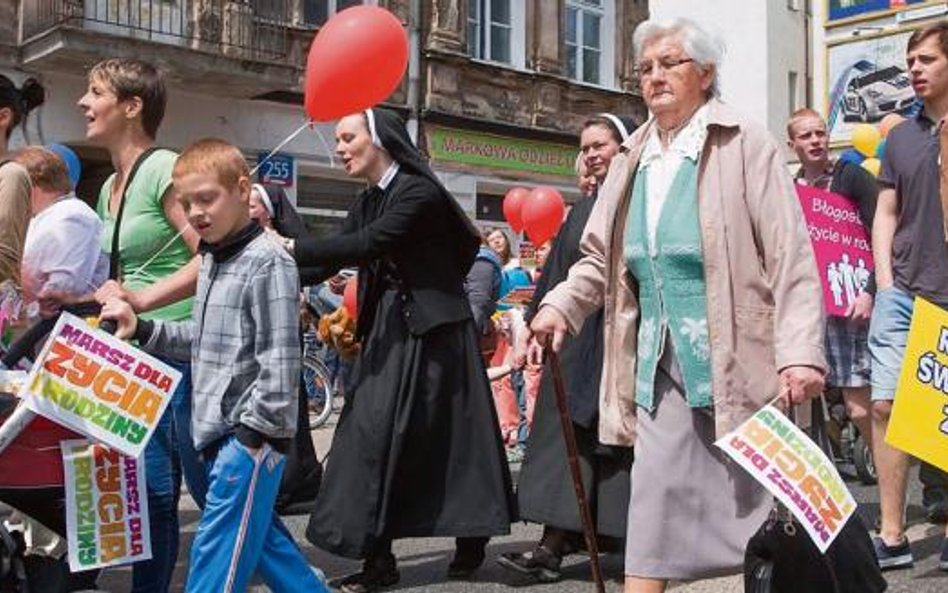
(542, 214)
(888, 122)
(513, 207)
(356, 60)
(350, 297)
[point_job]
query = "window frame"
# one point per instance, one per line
(330, 12)
(607, 28)
(517, 39)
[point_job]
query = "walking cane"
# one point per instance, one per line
(589, 530)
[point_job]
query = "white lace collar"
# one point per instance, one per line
(687, 143)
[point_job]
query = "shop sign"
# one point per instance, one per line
(480, 149)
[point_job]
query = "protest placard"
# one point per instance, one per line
(106, 506)
(793, 468)
(919, 421)
(841, 245)
(99, 386)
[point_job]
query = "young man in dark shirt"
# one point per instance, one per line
(911, 257)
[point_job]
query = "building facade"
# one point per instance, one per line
(507, 86)
(496, 89)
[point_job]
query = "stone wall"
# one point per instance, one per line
(540, 97)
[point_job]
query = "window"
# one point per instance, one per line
(317, 12)
(323, 202)
(495, 31)
(589, 47)
(793, 93)
(490, 207)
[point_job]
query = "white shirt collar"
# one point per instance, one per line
(687, 143)
(389, 175)
(56, 202)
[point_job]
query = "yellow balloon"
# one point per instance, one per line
(866, 139)
(888, 122)
(872, 165)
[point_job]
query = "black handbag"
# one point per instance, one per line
(781, 557)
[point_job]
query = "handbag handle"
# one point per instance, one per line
(114, 256)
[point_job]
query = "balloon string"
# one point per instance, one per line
(286, 141)
(253, 171)
(329, 151)
(145, 265)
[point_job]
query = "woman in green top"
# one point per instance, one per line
(123, 107)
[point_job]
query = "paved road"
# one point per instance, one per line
(423, 562)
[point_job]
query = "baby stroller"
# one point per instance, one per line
(31, 479)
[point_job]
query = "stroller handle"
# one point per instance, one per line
(24, 344)
(14, 425)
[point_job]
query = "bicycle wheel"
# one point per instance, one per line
(862, 459)
(318, 386)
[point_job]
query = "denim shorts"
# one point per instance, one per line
(888, 335)
(847, 353)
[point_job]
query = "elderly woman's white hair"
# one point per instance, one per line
(702, 47)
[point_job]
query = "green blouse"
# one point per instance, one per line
(145, 231)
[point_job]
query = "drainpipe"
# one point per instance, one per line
(808, 44)
(414, 69)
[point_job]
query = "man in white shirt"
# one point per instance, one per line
(62, 253)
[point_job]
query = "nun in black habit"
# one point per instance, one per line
(417, 451)
(270, 206)
(545, 488)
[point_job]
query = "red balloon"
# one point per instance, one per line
(542, 214)
(356, 60)
(350, 297)
(513, 205)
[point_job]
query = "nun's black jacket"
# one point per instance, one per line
(409, 237)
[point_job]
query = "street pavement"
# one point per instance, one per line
(423, 562)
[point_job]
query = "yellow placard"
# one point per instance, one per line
(919, 422)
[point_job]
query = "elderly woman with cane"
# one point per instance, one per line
(697, 250)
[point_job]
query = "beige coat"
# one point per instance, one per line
(15, 209)
(765, 303)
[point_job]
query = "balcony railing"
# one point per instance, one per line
(246, 29)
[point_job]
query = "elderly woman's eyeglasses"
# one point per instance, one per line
(646, 68)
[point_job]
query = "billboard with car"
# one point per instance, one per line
(867, 80)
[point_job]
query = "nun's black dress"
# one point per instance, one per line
(417, 451)
(545, 488)
(302, 473)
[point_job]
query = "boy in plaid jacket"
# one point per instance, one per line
(245, 353)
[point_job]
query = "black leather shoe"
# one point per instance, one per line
(468, 557)
(376, 574)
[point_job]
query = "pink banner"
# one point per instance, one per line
(841, 243)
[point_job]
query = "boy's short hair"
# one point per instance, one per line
(127, 78)
(799, 114)
(213, 156)
(921, 34)
(47, 171)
